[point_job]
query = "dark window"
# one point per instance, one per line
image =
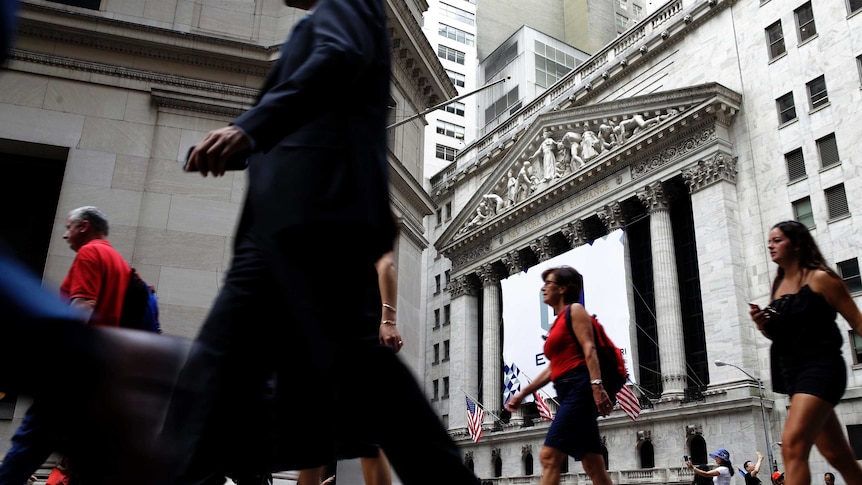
(639, 244)
(450, 54)
(436, 354)
(775, 40)
(436, 385)
(437, 318)
(447, 313)
(836, 200)
(817, 94)
(437, 284)
(456, 107)
(786, 108)
(828, 150)
(795, 165)
(647, 455)
(805, 22)
(446, 153)
(528, 464)
(445, 350)
(447, 276)
(91, 4)
(498, 466)
(856, 347)
(854, 5)
(439, 215)
(445, 387)
(803, 212)
(854, 435)
(448, 210)
(849, 271)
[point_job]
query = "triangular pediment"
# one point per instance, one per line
(569, 150)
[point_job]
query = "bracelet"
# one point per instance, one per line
(596, 382)
(387, 305)
(388, 322)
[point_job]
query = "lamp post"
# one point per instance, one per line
(721, 363)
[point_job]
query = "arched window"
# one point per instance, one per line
(469, 464)
(647, 454)
(697, 448)
(498, 467)
(565, 467)
(607, 460)
(528, 464)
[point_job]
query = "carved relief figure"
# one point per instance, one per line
(494, 203)
(526, 182)
(481, 216)
(511, 189)
(590, 145)
(572, 141)
(548, 150)
(606, 136)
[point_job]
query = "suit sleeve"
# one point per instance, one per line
(323, 69)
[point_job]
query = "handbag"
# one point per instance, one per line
(611, 361)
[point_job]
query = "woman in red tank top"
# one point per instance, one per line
(574, 370)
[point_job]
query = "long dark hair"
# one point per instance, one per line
(569, 278)
(809, 255)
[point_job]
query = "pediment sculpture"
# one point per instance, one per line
(558, 155)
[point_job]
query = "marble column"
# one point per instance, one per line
(492, 372)
(464, 348)
(668, 308)
(513, 264)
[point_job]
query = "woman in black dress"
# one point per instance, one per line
(806, 351)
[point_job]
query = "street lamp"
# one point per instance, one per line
(721, 363)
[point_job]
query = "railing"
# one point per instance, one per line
(611, 55)
(648, 476)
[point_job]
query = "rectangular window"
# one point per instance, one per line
(551, 64)
(436, 354)
(795, 165)
(854, 6)
(827, 147)
(446, 153)
(456, 107)
(450, 129)
(91, 4)
(856, 347)
(805, 22)
(457, 35)
(445, 387)
(458, 14)
(836, 201)
(447, 276)
(436, 385)
(448, 210)
(439, 215)
(817, 94)
(450, 54)
(803, 213)
(849, 271)
(775, 40)
(447, 314)
(437, 318)
(501, 105)
(457, 78)
(446, 342)
(437, 284)
(786, 108)
(637, 10)
(623, 4)
(622, 22)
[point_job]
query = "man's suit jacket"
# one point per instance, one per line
(319, 128)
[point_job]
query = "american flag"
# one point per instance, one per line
(542, 406)
(475, 417)
(629, 402)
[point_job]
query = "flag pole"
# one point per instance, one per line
(479, 403)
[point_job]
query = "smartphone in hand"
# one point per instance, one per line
(237, 161)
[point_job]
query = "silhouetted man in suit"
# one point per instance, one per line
(301, 297)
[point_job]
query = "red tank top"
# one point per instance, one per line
(562, 348)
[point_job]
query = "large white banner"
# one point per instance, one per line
(526, 318)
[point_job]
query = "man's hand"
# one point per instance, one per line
(211, 154)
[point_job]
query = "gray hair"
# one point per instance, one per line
(97, 219)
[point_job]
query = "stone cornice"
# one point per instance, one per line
(108, 34)
(720, 167)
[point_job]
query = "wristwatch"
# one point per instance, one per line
(596, 382)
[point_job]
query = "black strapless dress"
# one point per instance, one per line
(806, 347)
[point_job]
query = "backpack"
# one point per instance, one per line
(611, 361)
(140, 306)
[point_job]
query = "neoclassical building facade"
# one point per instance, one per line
(680, 133)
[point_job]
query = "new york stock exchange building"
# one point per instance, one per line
(678, 146)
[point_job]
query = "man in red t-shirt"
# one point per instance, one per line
(97, 281)
(95, 286)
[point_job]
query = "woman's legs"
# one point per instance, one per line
(376, 471)
(594, 466)
(806, 421)
(836, 449)
(552, 465)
